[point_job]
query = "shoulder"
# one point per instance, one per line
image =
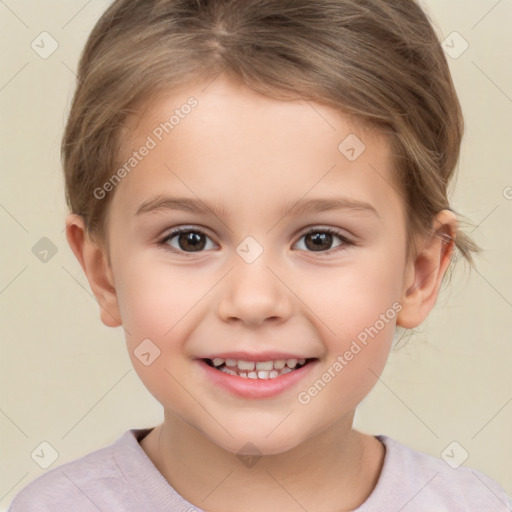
(419, 482)
(91, 482)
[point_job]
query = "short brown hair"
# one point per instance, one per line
(377, 60)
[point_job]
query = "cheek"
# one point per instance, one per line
(358, 309)
(357, 355)
(156, 303)
(350, 299)
(154, 297)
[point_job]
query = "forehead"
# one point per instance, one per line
(222, 139)
(226, 102)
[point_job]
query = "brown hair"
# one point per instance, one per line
(377, 60)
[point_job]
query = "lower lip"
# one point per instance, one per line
(256, 388)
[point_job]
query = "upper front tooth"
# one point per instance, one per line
(265, 365)
(291, 363)
(246, 365)
(279, 364)
(230, 362)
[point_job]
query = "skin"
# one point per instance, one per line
(252, 155)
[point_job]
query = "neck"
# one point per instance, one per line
(334, 470)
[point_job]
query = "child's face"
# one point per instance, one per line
(253, 158)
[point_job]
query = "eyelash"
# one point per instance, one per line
(345, 241)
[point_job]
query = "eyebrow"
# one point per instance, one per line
(301, 206)
(161, 203)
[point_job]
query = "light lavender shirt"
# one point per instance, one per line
(121, 477)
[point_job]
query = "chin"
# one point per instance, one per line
(258, 441)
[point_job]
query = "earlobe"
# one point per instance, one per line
(94, 262)
(425, 273)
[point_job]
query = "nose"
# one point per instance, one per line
(253, 294)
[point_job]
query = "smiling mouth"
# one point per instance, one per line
(257, 370)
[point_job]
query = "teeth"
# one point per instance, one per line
(264, 365)
(257, 370)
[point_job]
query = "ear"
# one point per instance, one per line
(95, 263)
(424, 274)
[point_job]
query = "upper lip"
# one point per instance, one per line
(251, 356)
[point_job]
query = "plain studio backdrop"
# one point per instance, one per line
(68, 386)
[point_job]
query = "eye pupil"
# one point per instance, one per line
(191, 240)
(320, 241)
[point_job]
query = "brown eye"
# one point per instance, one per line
(318, 241)
(191, 241)
(186, 241)
(323, 240)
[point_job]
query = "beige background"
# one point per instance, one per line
(66, 379)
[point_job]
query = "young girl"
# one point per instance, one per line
(258, 196)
